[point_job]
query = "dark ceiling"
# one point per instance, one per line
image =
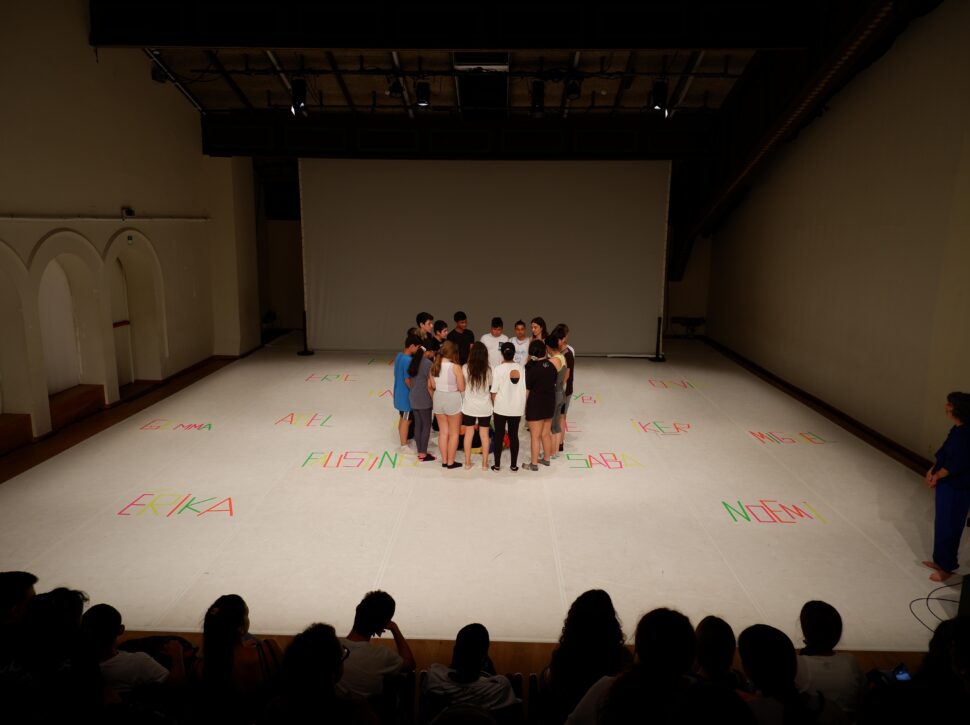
(733, 79)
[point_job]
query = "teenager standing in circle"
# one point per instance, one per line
(950, 476)
(508, 398)
(446, 384)
(462, 336)
(419, 370)
(476, 409)
(553, 343)
(540, 380)
(539, 329)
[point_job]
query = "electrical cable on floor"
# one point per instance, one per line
(928, 598)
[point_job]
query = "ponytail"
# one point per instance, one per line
(415, 362)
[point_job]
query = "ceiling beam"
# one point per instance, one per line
(214, 60)
(340, 81)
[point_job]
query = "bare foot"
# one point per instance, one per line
(932, 565)
(940, 576)
(468, 465)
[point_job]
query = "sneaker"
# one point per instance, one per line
(544, 462)
(530, 467)
(496, 468)
(513, 468)
(454, 465)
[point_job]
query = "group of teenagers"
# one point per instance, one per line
(467, 383)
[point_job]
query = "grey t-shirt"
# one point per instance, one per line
(419, 395)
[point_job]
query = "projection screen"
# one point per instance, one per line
(580, 242)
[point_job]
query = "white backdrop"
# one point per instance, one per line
(580, 242)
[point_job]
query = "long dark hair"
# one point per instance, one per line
(221, 633)
(478, 369)
(542, 324)
(415, 364)
(590, 647)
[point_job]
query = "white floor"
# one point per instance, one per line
(656, 515)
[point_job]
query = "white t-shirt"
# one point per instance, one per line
(127, 670)
(477, 401)
(365, 668)
(509, 396)
(446, 381)
(492, 343)
(489, 693)
(838, 677)
(521, 349)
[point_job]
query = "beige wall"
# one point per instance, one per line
(845, 270)
(83, 133)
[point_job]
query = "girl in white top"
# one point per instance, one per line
(477, 406)
(446, 384)
(508, 400)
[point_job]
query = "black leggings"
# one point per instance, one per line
(422, 428)
(513, 421)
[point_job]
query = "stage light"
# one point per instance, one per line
(538, 106)
(395, 89)
(659, 96)
(573, 90)
(422, 93)
(298, 105)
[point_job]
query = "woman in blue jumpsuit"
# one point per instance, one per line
(950, 476)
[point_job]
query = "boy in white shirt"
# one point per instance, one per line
(521, 343)
(492, 340)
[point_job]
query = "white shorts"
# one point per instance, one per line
(446, 402)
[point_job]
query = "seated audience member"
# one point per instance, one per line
(820, 669)
(16, 591)
(237, 671)
(768, 658)
(658, 688)
(125, 671)
(312, 665)
(591, 646)
(367, 663)
(51, 677)
(716, 646)
(465, 683)
(940, 688)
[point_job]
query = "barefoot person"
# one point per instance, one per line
(950, 476)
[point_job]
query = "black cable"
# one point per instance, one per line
(929, 597)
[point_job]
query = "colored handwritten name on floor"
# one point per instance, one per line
(775, 437)
(608, 460)
(681, 384)
(386, 393)
(305, 420)
(166, 424)
(375, 360)
(778, 513)
(360, 460)
(571, 426)
(661, 428)
(180, 503)
(330, 378)
(584, 398)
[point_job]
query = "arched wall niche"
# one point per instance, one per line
(83, 267)
(145, 294)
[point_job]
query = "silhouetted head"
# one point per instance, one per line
(821, 627)
(375, 610)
